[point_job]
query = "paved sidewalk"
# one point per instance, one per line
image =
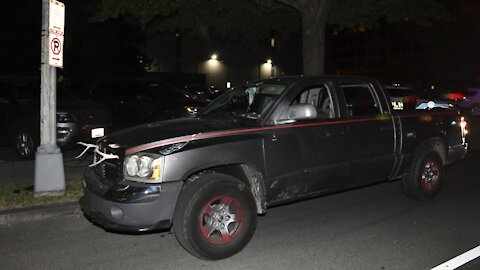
(13, 170)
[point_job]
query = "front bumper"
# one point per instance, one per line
(129, 206)
(456, 153)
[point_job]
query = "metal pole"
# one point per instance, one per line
(272, 51)
(49, 171)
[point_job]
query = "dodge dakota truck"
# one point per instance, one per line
(261, 144)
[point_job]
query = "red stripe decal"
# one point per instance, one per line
(216, 134)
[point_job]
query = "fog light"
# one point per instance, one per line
(153, 190)
(116, 212)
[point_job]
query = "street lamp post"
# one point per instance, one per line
(49, 171)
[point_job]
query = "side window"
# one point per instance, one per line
(321, 98)
(138, 91)
(360, 100)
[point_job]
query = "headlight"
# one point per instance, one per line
(191, 110)
(145, 167)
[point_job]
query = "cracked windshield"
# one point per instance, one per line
(245, 102)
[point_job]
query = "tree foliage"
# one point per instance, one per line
(350, 13)
(254, 19)
(229, 20)
(257, 17)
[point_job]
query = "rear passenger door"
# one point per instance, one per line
(370, 132)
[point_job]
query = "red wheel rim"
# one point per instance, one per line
(430, 176)
(221, 220)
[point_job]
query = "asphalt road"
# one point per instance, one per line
(374, 227)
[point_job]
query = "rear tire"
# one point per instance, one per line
(475, 110)
(424, 178)
(215, 216)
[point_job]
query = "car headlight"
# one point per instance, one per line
(191, 110)
(144, 167)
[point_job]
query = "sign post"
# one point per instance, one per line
(49, 171)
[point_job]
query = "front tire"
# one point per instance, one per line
(25, 143)
(215, 216)
(424, 178)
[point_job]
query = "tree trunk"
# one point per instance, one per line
(314, 13)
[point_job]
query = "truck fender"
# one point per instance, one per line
(243, 172)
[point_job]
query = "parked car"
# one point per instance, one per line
(469, 101)
(263, 144)
(135, 101)
(206, 94)
(20, 116)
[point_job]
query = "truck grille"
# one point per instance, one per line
(109, 170)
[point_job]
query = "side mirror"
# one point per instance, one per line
(302, 111)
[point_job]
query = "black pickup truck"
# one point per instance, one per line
(262, 144)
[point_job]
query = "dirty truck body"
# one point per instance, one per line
(261, 144)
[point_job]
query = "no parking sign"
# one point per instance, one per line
(55, 57)
(56, 31)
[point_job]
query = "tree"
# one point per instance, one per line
(253, 19)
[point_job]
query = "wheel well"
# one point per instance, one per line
(438, 144)
(25, 124)
(245, 173)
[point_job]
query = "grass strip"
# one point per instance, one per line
(20, 195)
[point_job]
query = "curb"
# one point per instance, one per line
(37, 213)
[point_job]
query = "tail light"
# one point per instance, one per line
(455, 96)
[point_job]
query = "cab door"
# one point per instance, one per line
(371, 134)
(307, 157)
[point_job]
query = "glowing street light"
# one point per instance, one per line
(214, 57)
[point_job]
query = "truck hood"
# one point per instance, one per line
(176, 130)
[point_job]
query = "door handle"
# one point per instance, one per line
(335, 133)
(386, 128)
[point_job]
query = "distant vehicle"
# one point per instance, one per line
(405, 97)
(469, 101)
(135, 101)
(20, 116)
(262, 144)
